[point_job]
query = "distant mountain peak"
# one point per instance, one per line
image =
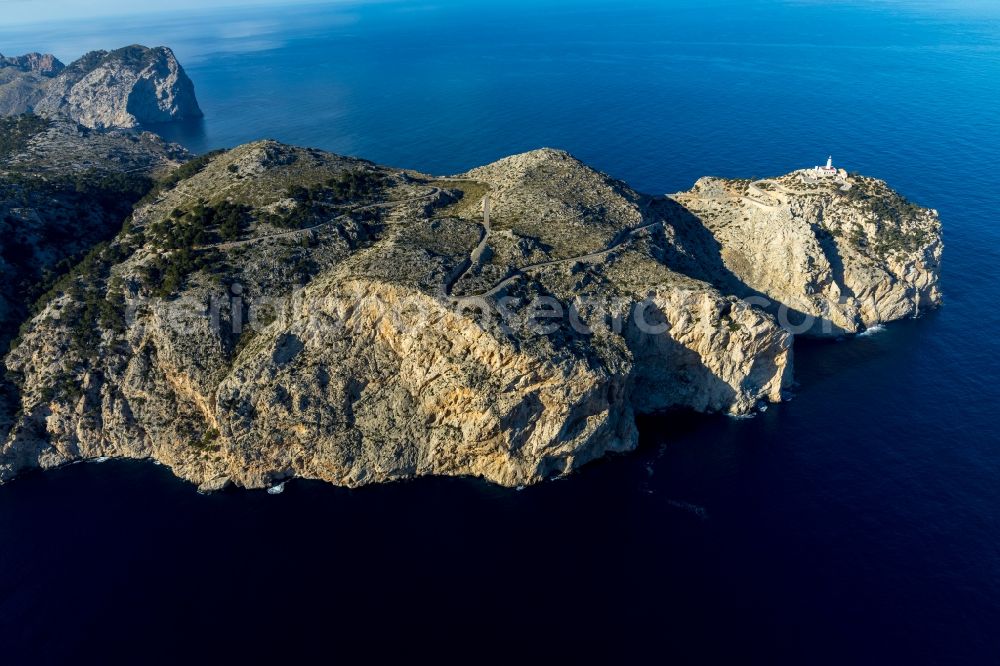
(44, 64)
(124, 88)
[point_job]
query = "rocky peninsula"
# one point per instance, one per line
(271, 312)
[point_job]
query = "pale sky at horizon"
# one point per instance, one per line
(36, 12)
(15, 12)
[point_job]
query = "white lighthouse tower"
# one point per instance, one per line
(827, 170)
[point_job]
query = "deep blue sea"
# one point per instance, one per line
(857, 524)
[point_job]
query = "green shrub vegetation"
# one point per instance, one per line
(349, 186)
(343, 188)
(75, 210)
(167, 273)
(893, 239)
(184, 171)
(207, 441)
(95, 304)
(188, 229)
(892, 214)
(115, 192)
(471, 192)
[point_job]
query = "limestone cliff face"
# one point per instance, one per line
(716, 354)
(284, 312)
(124, 88)
(835, 255)
(361, 382)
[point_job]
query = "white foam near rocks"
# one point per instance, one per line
(276, 490)
(699, 511)
(877, 328)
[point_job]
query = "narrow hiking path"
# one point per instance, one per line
(228, 245)
(620, 239)
(476, 254)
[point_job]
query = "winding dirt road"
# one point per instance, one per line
(620, 239)
(228, 245)
(475, 255)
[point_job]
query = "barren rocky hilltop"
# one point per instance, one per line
(270, 312)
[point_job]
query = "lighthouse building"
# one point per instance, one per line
(828, 170)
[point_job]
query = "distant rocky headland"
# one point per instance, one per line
(270, 312)
(123, 88)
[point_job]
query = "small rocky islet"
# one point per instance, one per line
(270, 311)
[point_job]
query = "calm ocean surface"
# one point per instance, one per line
(858, 523)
